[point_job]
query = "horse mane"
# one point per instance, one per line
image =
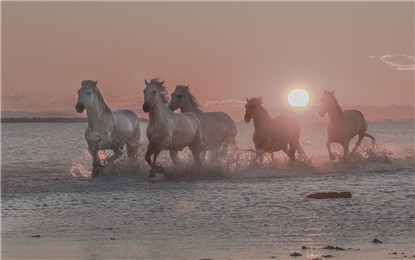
(93, 85)
(258, 102)
(193, 100)
(336, 102)
(161, 89)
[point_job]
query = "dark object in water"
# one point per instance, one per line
(304, 247)
(295, 254)
(36, 236)
(326, 256)
(377, 241)
(330, 195)
(333, 248)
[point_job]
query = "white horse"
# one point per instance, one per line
(167, 130)
(218, 129)
(343, 125)
(106, 129)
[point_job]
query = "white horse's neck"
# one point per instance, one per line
(158, 113)
(188, 107)
(98, 116)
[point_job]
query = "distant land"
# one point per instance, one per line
(371, 113)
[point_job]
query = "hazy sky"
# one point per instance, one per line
(226, 51)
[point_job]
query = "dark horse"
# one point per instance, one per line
(273, 134)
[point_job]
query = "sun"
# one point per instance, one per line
(298, 97)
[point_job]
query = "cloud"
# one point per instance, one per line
(223, 103)
(398, 61)
(15, 95)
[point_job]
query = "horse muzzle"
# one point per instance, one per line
(79, 108)
(321, 113)
(247, 119)
(146, 107)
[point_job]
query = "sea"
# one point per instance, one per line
(231, 208)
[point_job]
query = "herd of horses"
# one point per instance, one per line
(201, 131)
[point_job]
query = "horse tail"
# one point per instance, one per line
(371, 137)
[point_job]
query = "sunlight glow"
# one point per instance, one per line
(298, 98)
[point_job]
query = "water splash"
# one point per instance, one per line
(79, 170)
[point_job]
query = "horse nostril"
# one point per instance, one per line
(79, 108)
(145, 107)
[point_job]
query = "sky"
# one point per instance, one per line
(225, 51)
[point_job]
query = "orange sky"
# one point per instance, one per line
(226, 51)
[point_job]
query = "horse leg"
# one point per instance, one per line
(133, 144)
(117, 154)
(96, 164)
(150, 151)
(345, 150)
(132, 148)
(174, 157)
(154, 167)
(272, 156)
(293, 148)
(331, 155)
(196, 156)
(286, 150)
(359, 141)
(260, 155)
(156, 151)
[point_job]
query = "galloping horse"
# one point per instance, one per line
(273, 134)
(343, 125)
(167, 130)
(106, 129)
(218, 129)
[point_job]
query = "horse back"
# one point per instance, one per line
(355, 120)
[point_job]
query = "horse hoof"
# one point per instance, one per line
(332, 158)
(95, 173)
(159, 169)
(152, 175)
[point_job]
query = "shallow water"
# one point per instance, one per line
(52, 209)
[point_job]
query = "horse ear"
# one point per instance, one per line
(332, 92)
(161, 84)
(260, 99)
(96, 82)
(247, 100)
(145, 81)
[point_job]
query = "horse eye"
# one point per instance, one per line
(89, 93)
(154, 92)
(179, 96)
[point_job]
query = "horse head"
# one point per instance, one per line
(178, 97)
(251, 108)
(154, 93)
(86, 95)
(327, 102)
